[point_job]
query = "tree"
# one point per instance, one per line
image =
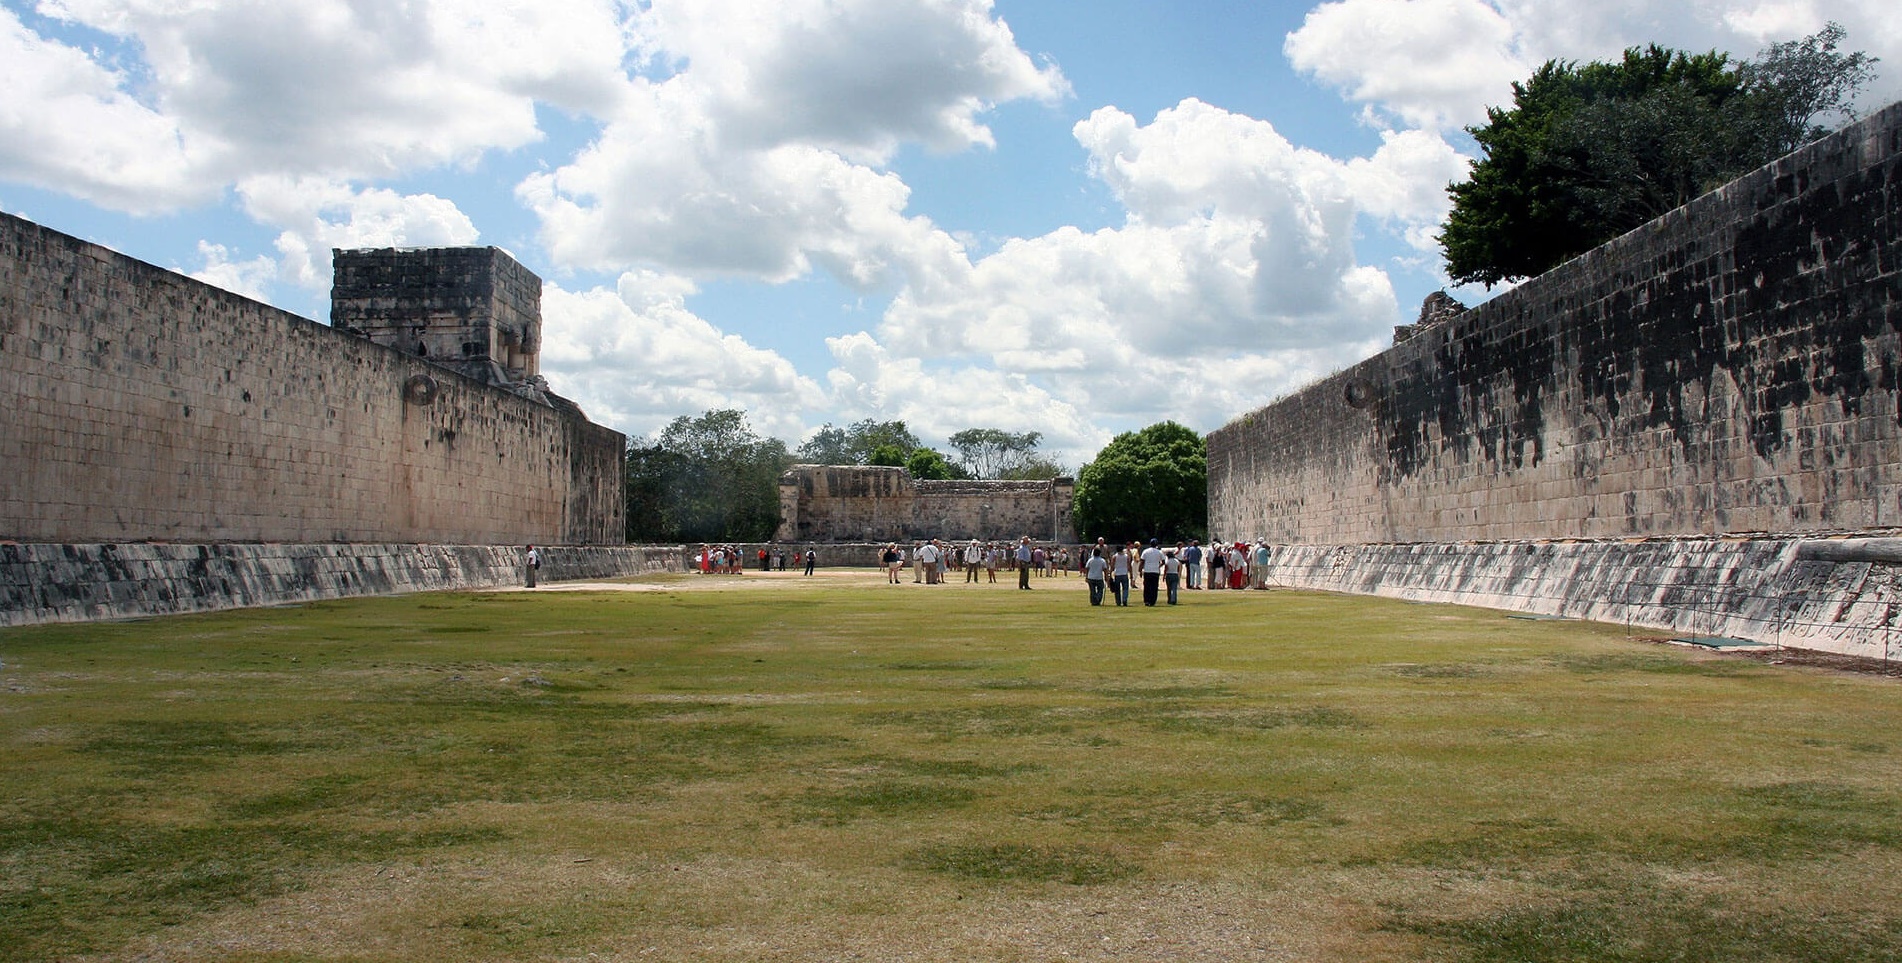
(994, 452)
(856, 444)
(1036, 468)
(709, 478)
(1803, 80)
(888, 456)
(927, 463)
(828, 446)
(1144, 484)
(1589, 152)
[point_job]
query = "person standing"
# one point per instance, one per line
(1093, 570)
(973, 560)
(1260, 569)
(534, 563)
(1217, 560)
(1192, 564)
(1152, 572)
(1024, 555)
(1172, 572)
(893, 561)
(1119, 576)
(928, 554)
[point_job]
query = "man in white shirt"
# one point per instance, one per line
(928, 556)
(1152, 572)
(1094, 569)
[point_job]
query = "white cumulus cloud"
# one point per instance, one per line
(760, 151)
(636, 357)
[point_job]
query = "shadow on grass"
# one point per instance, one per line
(1612, 921)
(1015, 862)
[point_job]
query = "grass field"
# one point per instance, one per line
(783, 768)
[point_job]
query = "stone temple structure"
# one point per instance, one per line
(851, 504)
(474, 310)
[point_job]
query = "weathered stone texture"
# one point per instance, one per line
(77, 583)
(832, 503)
(142, 404)
(1730, 367)
(1829, 595)
(476, 310)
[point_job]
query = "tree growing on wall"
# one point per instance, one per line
(704, 479)
(1145, 484)
(1589, 152)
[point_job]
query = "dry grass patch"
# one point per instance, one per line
(782, 768)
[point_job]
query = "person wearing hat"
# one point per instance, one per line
(1152, 572)
(1024, 555)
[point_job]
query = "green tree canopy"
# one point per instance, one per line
(994, 452)
(855, 445)
(888, 456)
(926, 463)
(1589, 152)
(1146, 484)
(705, 479)
(1036, 468)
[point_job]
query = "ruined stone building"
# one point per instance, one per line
(834, 503)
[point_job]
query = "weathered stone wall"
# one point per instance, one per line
(143, 405)
(468, 308)
(1730, 367)
(1831, 595)
(831, 503)
(78, 583)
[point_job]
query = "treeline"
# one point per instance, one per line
(712, 478)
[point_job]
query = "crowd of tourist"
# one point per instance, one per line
(1109, 571)
(732, 560)
(933, 561)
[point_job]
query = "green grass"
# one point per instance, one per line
(807, 769)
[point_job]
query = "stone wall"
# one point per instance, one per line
(474, 309)
(144, 405)
(77, 583)
(1831, 595)
(1734, 366)
(832, 503)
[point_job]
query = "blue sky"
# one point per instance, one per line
(1077, 219)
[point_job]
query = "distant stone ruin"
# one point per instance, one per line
(853, 504)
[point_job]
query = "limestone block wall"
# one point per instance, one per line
(144, 405)
(1734, 366)
(78, 583)
(463, 307)
(832, 503)
(1833, 595)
